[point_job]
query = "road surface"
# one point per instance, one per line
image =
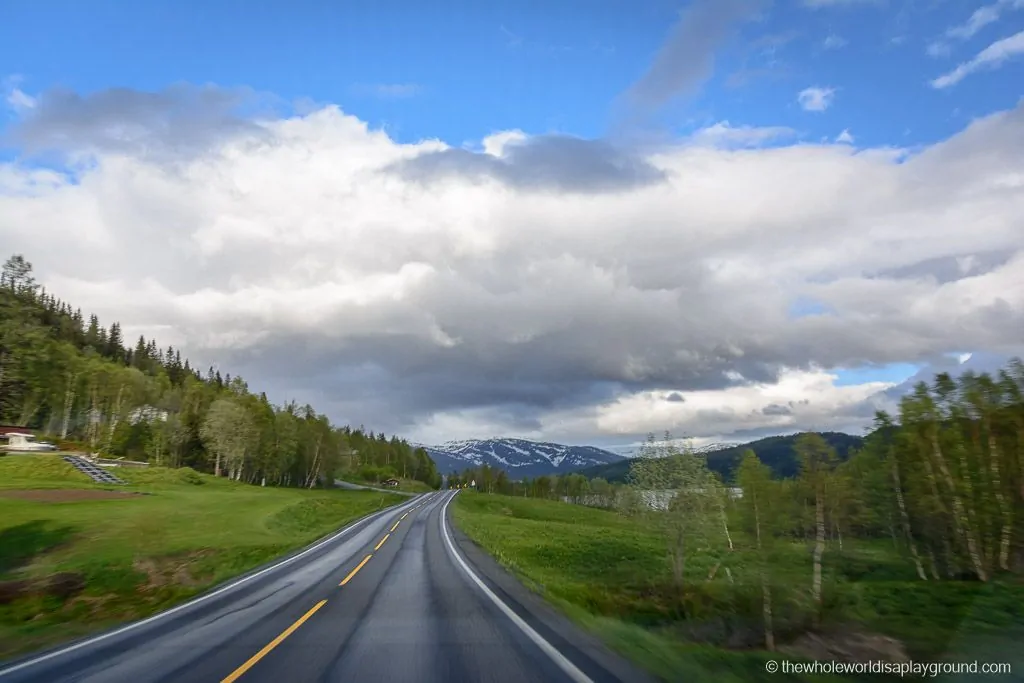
(399, 596)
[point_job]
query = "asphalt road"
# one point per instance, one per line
(399, 596)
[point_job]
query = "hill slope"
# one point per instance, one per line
(775, 451)
(519, 458)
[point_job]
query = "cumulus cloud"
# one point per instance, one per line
(181, 119)
(816, 98)
(798, 400)
(442, 303)
(560, 163)
(991, 57)
(845, 137)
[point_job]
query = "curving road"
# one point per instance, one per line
(398, 596)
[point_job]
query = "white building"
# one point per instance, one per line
(24, 442)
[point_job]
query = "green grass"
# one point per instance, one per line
(138, 555)
(38, 471)
(414, 486)
(611, 575)
(407, 485)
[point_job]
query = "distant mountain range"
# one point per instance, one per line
(521, 459)
(777, 452)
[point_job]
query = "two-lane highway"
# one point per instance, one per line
(391, 598)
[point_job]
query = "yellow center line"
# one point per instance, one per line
(355, 571)
(395, 526)
(386, 537)
(236, 674)
(404, 516)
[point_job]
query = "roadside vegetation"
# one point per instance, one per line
(66, 376)
(912, 548)
(78, 557)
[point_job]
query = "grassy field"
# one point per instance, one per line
(609, 574)
(407, 485)
(82, 565)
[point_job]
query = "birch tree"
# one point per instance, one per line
(681, 499)
(228, 433)
(817, 459)
(759, 510)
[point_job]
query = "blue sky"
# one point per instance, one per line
(459, 70)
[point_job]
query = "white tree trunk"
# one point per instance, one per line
(69, 404)
(905, 519)
(819, 548)
(115, 417)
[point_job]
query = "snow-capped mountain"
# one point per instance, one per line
(518, 457)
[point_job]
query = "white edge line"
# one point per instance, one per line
(196, 601)
(557, 657)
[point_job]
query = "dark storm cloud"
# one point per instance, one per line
(554, 163)
(675, 397)
(181, 119)
(409, 377)
(776, 409)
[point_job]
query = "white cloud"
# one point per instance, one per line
(816, 98)
(991, 57)
(938, 49)
(845, 137)
(800, 399)
(16, 98)
(982, 17)
(19, 101)
(725, 135)
(467, 302)
(834, 42)
(979, 19)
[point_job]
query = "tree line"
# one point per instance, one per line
(940, 484)
(74, 379)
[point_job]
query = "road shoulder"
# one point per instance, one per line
(585, 650)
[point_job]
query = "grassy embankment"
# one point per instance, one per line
(407, 485)
(70, 568)
(609, 573)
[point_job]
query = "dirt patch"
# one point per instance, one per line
(65, 495)
(174, 570)
(847, 647)
(64, 586)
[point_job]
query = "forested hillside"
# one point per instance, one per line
(777, 452)
(944, 480)
(69, 376)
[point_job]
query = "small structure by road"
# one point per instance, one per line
(24, 442)
(92, 470)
